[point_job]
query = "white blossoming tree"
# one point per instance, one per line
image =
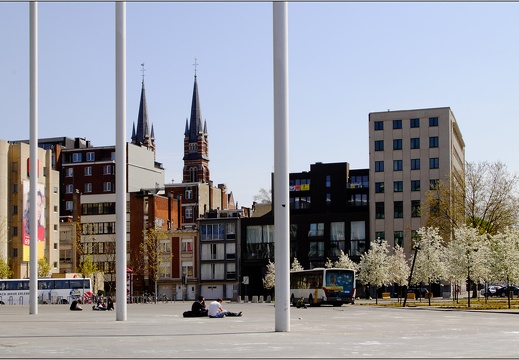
(430, 262)
(505, 257)
(345, 262)
(296, 266)
(374, 266)
(399, 268)
(269, 281)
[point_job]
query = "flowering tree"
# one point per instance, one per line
(270, 277)
(398, 268)
(430, 263)
(5, 271)
(505, 257)
(296, 266)
(329, 263)
(467, 257)
(374, 266)
(345, 262)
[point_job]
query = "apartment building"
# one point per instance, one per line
(410, 151)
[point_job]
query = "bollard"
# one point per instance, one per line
(254, 299)
(238, 299)
(246, 299)
(269, 299)
(260, 299)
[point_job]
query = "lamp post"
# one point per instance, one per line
(416, 248)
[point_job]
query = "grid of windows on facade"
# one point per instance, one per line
(98, 247)
(300, 202)
(212, 232)
(98, 228)
(98, 208)
(260, 242)
(218, 251)
(218, 271)
(358, 200)
(299, 185)
(359, 181)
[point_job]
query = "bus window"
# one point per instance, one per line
(76, 284)
(61, 284)
(2, 285)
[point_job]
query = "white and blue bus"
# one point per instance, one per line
(50, 291)
(318, 286)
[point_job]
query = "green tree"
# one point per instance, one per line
(87, 267)
(5, 270)
(43, 267)
(153, 254)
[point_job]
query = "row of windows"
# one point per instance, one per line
(398, 165)
(414, 143)
(398, 237)
(98, 208)
(398, 186)
(413, 123)
(89, 156)
(99, 228)
(398, 209)
(107, 187)
(87, 170)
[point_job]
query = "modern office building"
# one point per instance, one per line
(410, 151)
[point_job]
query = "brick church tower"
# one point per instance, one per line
(196, 146)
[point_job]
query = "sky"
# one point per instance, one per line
(346, 59)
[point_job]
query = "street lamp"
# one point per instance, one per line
(415, 248)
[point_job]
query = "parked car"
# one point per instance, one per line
(491, 290)
(503, 291)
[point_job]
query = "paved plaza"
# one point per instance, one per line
(351, 331)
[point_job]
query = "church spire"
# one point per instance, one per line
(141, 135)
(196, 115)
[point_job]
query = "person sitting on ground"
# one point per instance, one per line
(100, 305)
(301, 303)
(75, 305)
(198, 308)
(109, 304)
(216, 310)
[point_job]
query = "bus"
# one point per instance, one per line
(50, 291)
(318, 286)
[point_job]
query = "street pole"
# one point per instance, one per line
(410, 275)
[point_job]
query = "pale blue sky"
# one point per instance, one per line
(345, 61)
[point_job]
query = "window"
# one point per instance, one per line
(397, 165)
(15, 230)
(397, 144)
(187, 245)
(316, 249)
(107, 170)
(328, 181)
(415, 185)
(399, 238)
(55, 208)
(88, 171)
(193, 147)
(212, 271)
(433, 121)
(15, 209)
(107, 186)
(55, 189)
(77, 157)
(415, 208)
(399, 209)
(415, 143)
(358, 200)
(69, 189)
(90, 156)
(379, 210)
(231, 271)
(415, 164)
(260, 242)
(230, 251)
(328, 199)
(68, 205)
(212, 252)
(15, 188)
(88, 187)
(189, 194)
(433, 142)
(379, 125)
(337, 239)
(212, 231)
(230, 231)
(380, 235)
(189, 212)
(398, 186)
(357, 237)
(316, 229)
(69, 172)
(379, 145)
(397, 124)
(379, 166)
(433, 184)
(379, 187)
(434, 163)
(415, 123)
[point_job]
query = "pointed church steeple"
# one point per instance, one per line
(141, 135)
(196, 145)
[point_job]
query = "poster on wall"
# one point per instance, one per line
(40, 214)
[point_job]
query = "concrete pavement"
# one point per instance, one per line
(351, 331)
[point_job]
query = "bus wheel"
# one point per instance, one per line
(310, 300)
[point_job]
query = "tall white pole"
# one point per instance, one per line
(281, 180)
(33, 162)
(120, 159)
